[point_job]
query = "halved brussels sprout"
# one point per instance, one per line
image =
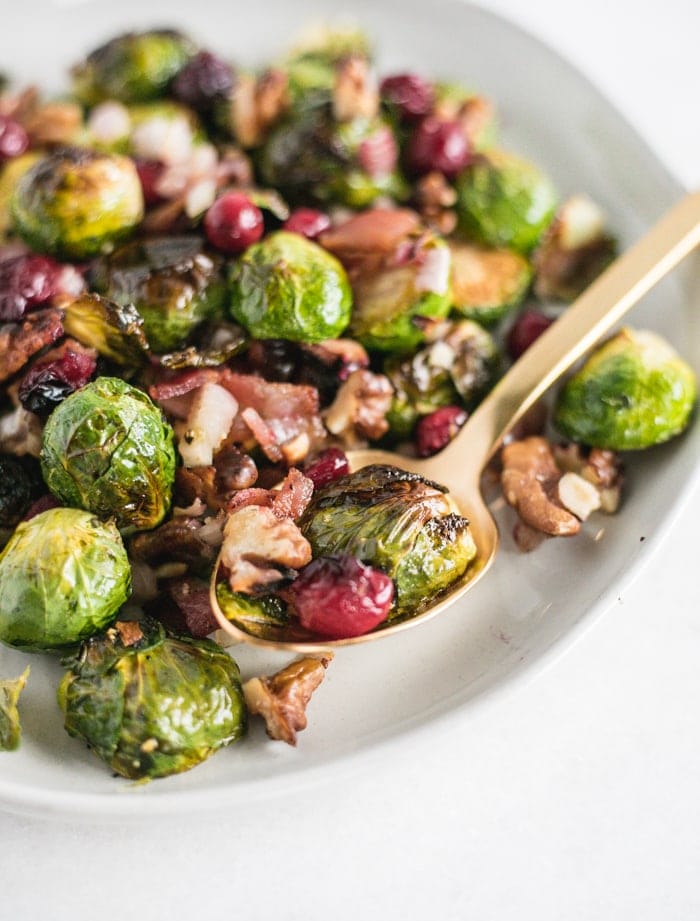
(487, 283)
(174, 283)
(388, 302)
(149, 704)
(10, 731)
(64, 574)
(12, 171)
(266, 616)
(134, 67)
(115, 330)
(504, 201)
(310, 155)
(397, 521)
(312, 62)
(107, 448)
(287, 287)
(634, 391)
(77, 203)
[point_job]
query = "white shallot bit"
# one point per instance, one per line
(109, 122)
(208, 423)
(434, 273)
(168, 140)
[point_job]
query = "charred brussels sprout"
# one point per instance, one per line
(350, 163)
(114, 330)
(398, 522)
(10, 732)
(287, 287)
(476, 362)
(487, 283)
(503, 200)
(107, 448)
(632, 392)
(173, 282)
(149, 704)
(134, 67)
(76, 203)
(388, 302)
(63, 575)
(266, 616)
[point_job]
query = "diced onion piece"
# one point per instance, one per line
(434, 273)
(207, 425)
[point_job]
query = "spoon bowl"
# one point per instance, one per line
(459, 466)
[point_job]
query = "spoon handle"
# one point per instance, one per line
(603, 303)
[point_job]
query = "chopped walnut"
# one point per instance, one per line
(435, 199)
(354, 94)
(129, 631)
(257, 104)
(282, 699)
(260, 550)
(360, 407)
(530, 478)
(54, 123)
(602, 468)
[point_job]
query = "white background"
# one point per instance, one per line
(575, 797)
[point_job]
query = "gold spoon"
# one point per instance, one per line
(459, 466)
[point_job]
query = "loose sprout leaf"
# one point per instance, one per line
(10, 689)
(115, 330)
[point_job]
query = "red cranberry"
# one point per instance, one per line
(438, 145)
(233, 223)
(411, 95)
(46, 385)
(338, 596)
(378, 153)
(330, 465)
(42, 504)
(437, 429)
(150, 172)
(26, 281)
(529, 325)
(308, 222)
(202, 81)
(13, 138)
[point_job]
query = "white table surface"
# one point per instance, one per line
(575, 797)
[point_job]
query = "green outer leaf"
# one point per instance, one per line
(108, 449)
(633, 392)
(63, 575)
(77, 203)
(505, 201)
(287, 287)
(10, 731)
(156, 708)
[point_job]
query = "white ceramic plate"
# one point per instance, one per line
(529, 606)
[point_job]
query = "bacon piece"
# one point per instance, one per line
(20, 341)
(289, 501)
(262, 433)
(189, 609)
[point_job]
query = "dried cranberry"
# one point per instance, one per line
(437, 429)
(44, 386)
(330, 465)
(411, 95)
(13, 138)
(378, 153)
(202, 81)
(150, 172)
(529, 325)
(308, 222)
(233, 223)
(338, 596)
(438, 145)
(26, 281)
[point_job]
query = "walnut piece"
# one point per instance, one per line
(435, 199)
(529, 478)
(260, 550)
(360, 407)
(602, 468)
(54, 123)
(282, 699)
(354, 93)
(257, 104)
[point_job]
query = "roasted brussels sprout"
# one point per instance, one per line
(634, 391)
(476, 364)
(174, 283)
(77, 203)
(312, 63)
(487, 283)
(287, 287)
(265, 616)
(114, 330)
(422, 383)
(388, 302)
(64, 574)
(311, 155)
(10, 732)
(149, 704)
(134, 67)
(11, 173)
(107, 448)
(214, 344)
(397, 521)
(504, 201)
